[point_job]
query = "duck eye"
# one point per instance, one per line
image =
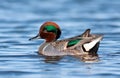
(50, 28)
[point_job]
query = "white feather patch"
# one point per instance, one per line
(90, 45)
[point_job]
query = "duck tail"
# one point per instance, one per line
(86, 33)
(92, 47)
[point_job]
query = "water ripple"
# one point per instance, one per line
(20, 20)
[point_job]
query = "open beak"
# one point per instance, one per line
(36, 37)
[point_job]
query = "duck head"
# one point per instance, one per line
(49, 31)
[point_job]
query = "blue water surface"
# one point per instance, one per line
(21, 19)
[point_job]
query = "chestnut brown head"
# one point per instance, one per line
(49, 31)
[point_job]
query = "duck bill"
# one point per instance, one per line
(36, 37)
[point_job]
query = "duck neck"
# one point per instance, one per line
(51, 38)
(48, 41)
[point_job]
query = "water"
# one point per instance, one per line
(21, 19)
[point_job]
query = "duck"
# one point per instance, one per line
(83, 46)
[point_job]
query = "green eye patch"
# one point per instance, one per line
(51, 28)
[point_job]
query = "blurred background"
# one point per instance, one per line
(21, 19)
